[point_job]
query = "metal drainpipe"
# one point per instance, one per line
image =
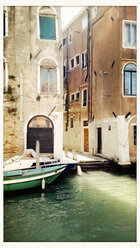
(88, 61)
(67, 78)
(91, 69)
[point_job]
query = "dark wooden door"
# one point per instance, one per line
(45, 137)
(99, 137)
(86, 143)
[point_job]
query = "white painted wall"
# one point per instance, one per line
(123, 141)
(58, 134)
(115, 142)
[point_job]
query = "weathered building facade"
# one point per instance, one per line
(33, 80)
(103, 118)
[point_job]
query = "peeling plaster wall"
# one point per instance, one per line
(23, 51)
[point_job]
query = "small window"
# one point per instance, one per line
(84, 100)
(5, 22)
(77, 96)
(64, 71)
(72, 97)
(84, 22)
(130, 34)
(77, 60)
(70, 38)
(66, 126)
(71, 122)
(84, 60)
(130, 80)
(135, 135)
(64, 41)
(65, 102)
(85, 123)
(96, 10)
(72, 63)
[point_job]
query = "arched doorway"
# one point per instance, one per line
(132, 128)
(40, 128)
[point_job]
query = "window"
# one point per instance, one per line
(70, 38)
(48, 78)
(130, 80)
(64, 70)
(66, 126)
(84, 59)
(66, 103)
(85, 123)
(64, 41)
(72, 97)
(135, 135)
(77, 96)
(77, 60)
(47, 23)
(130, 31)
(71, 122)
(72, 63)
(84, 22)
(96, 10)
(47, 28)
(40, 121)
(84, 98)
(5, 22)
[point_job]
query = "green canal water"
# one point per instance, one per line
(95, 207)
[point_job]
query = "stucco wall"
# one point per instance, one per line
(24, 51)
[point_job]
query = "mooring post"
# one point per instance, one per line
(37, 154)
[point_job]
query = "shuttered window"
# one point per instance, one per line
(48, 80)
(47, 28)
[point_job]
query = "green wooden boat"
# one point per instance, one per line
(32, 177)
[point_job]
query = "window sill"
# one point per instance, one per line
(44, 40)
(127, 47)
(129, 96)
(71, 69)
(84, 68)
(48, 94)
(75, 101)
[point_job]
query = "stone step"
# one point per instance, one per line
(93, 162)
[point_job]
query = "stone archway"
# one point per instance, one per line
(40, 128)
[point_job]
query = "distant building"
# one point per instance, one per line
(100, 74)
(33, 80)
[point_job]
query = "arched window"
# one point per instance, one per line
(47, 23)
(130, 80)
(48, 76)
(40, 122)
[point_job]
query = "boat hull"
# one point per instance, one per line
(31, 179)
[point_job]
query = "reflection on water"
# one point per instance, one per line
(95, 207)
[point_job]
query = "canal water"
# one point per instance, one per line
(95, 207)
